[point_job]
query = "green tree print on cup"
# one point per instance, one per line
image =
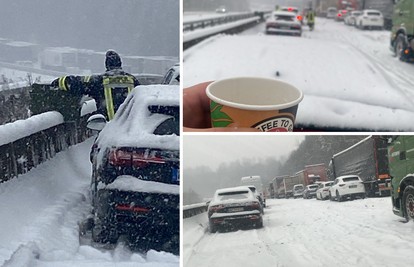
(219, 118)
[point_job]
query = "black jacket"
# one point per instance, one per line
(109, 89)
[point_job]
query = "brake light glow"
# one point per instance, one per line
(344, 11)
(215, 208)
(132, 208)
(131, 158)
(299, 17)
(290, 9)
(406, 51)
(339, 15)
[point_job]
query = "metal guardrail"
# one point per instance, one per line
(193, 210)
(210, 22)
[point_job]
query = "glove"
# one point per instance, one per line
(55, 83)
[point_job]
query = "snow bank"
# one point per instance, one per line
(130, 183)
(11, 132)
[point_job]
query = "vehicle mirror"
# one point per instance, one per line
(96, 122)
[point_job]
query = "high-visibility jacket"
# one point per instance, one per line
(109, 89)
(310, 16)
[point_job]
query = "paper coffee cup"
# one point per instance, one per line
(266, 104)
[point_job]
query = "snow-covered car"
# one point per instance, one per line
(221, 9)
(173, 75)
(258, 196)
(284, 22)
(310, 191)
(344, 187)
(323, 191)
(372, 19)
(234, 207)
(351, 18)
(331, 12)
(135, 175)
(297, 190)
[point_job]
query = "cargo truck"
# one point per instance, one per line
(278, 186)
(402, 32)
(401, 168)
(289, 182)
(368, 159)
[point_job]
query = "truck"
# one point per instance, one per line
(369, 160)
(401, 169)
(322, 7)
(255, 180)
(347, 4)
(278, 186)
(402, 32)
(289, 182)
(315, 173)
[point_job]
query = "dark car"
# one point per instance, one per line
(310, 191)
(233, 208)
(135, 180)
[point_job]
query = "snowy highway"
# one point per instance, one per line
(299, 232)
(40, 212)
(350, 78)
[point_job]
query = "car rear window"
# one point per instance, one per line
(314, 186)
(169, 126)
(233, 195)
(284, 17)
(356, 13)
(350, 179)
(328, 184)
(374, 14)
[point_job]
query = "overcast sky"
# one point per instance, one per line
(211, 150)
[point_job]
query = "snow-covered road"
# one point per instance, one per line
(299, 232)
(349, 77)
(40, 212)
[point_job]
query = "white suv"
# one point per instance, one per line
(344, 187)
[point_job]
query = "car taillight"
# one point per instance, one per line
(326, 189)
(299, 17)
(131, 158)
(264, 194)
(215, 208)
(341, 184)
(290, 9)
(339, 15)
(382, 185)
(253, 204)
(132, 208)
(254, 218)
(344, 11)
(296, 26)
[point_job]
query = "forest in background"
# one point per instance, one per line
(201, 182)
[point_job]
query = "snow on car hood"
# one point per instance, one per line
(133, 125)
(131, 183)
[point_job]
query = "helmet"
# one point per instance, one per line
(112, 61)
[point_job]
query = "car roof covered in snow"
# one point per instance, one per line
(134, 124)
(284, 13)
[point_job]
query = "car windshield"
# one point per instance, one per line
(372, 88)
(350, 179)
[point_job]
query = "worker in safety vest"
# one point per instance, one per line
(109, 89)
(277, 8)
(310, 16)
